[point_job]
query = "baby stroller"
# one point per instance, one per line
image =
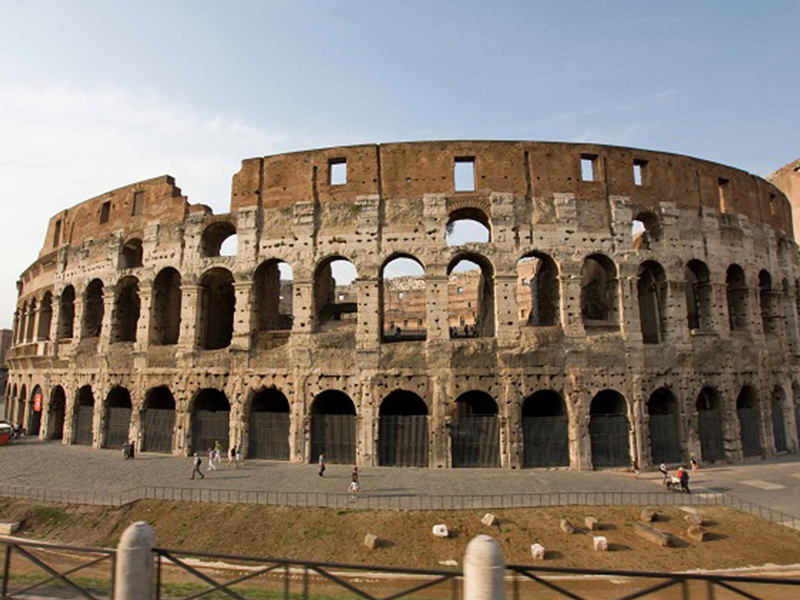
(673, 483)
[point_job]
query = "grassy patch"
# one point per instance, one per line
(50, 515)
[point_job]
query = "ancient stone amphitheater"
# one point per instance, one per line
(615, 304)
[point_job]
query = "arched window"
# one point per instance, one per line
(215, 236)
(545, 430)
(652, 294)
(131, 256)
(599, 293)
(662, 408)
(475, 431)
(709, 425)
(749, 419)
(127, 307)
(467, 226)
(45, 317)
(165, 324)
(31, 321)
(268, 425)
(273, 296)
(93, 309)
(335, 295)
(537, 290)
(737, 298)
(66, 314)
(210, 421)
(404, 301)
(23, 318)
(403, 430)
(608, 430)
(333, 427)
(118, 417)
(470, 297)
(217, 307)
(158, 420)
(770, 320)
(699, 296)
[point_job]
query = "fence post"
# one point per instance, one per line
(484, 570)
(134, 569)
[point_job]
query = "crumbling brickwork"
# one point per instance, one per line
(628, 304)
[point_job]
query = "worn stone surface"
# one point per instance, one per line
(697, 533)
(440, 531)
(372, 541)
(9, 527)
(591, 524)
(538, 552)
(599, 543)
(489, 519)
(648, 515)
(566, 526)
(651, 534)
(693, 518)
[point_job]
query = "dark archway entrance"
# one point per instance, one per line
(778, 425)
(665, 445)
(475, 431)
(608, 430)
(403, 431)
(210, 420)
(58, 410)
(118, 417)
(159, 420)
(35, 411)
(84, 416)
(333, 427)
(269, 425)
(545, 430)
(747, 411)
(709, 425)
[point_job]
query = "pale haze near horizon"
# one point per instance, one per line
(98, 95)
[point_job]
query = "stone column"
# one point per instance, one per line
(77, 324)
(438, 423)
(677, 328)
(109, 300)
(242, 318)
(630, 324)
(570, 298)
(484, 570)
(436, 307)
(143, 325)
(507, 317)
(133, 574)
(368, 332)
(190, 307)
(297, 423)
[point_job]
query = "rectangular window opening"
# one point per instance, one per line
(724, 194)
(400, 295)
(464, 174)
(57, 233)
(588, 167)
(640, 172)
(338, 171)
(138, 204)
(105, 212)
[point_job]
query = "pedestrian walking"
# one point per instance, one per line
(321, 464)
(685, 481)
(132, 450)
(212, 454)
(126, 449)
(636, 467)
(354, 482)
(663, 468)
(217, 451)
(231, 457)
(196, 470)
(693, 461)
(239, 457)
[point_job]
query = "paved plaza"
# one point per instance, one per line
(32, 463)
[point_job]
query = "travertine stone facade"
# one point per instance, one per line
(686, 338)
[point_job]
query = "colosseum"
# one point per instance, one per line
(432, 304)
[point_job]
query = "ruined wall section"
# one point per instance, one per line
(787, 179)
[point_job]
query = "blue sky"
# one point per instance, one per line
(99, 94)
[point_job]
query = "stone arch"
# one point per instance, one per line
(210, 420)
(31, 321)
(709, 425)
(403, 430)
(609, 430)
(217, 307)
(645, 230)
(35, 416)
(699, 296)
(777, 409)
(664, 427)
(93, 309)
(57, 410)
(214, 236)
(273, 308)
(268, 424)
(538, 296)
(651, 289)
(45, 317)
(767, 297)
(403, 299)
(737, 295)
(470, 296)
(599, 293)
(333, 427)
(747, 409)
(165, 316)
(131, 254)
(118, 417)
(66, 314)
(127, 307)
(468, 224)
(475, 431)
(84, 416)
(545, 430)
(335, 302)
(159, 420)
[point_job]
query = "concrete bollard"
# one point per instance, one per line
(484, 570)
(133, 579)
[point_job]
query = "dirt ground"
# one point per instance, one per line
(737, 539)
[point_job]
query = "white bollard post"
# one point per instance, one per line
(133, 579)
(484, 570)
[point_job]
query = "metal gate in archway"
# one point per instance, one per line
(403, 440)
(269, 435)
(665, 438)
(546, 441)
(56, 421)
(610, 441)
(118, 422)
(476, 441)
(159, 423)
(748, 427)
(35, 421)
(709, 430)
(209, 427)
(779, 428)
(83, 425)
(335, 435)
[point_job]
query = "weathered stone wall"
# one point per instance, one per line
(636, 340)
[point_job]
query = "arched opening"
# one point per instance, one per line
(709, 425)
(93, 309)
(210, 420)
(35, 411)
(21, 400)
(127, 306)
(273, 296)
(217, 307)
(31, 322)
(165, 323)
(403, 300)
(645, 230)
(57, 411)
(749, 420)
(599, 294)
(66, 314)
(45, 317)
(12, 401)
(84, 416)
(403, 430)
(159, 420)
(118, 417)
(652, 294)
(335, 295)
(475, 431)
(609, 431)
(213, 238)
(470, 297)
(770, 320)
(778, 421)
(537, 290)
(545, 430)
(268, 435)
(23, 317)
(467, 226)
(333, 427)
(131, 255)
(699, 296)
(665, 444)
(737, 298)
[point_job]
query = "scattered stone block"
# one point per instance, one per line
(650, 533)
(693, 518)
(9, 527)
(440, 531)
(697, 533)
(566, 526)
(449, 562)
(592, 524)
(371, 541)
(600, 543)
(489, 519)
(537, 551)
(689, 509)
(648, 515)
